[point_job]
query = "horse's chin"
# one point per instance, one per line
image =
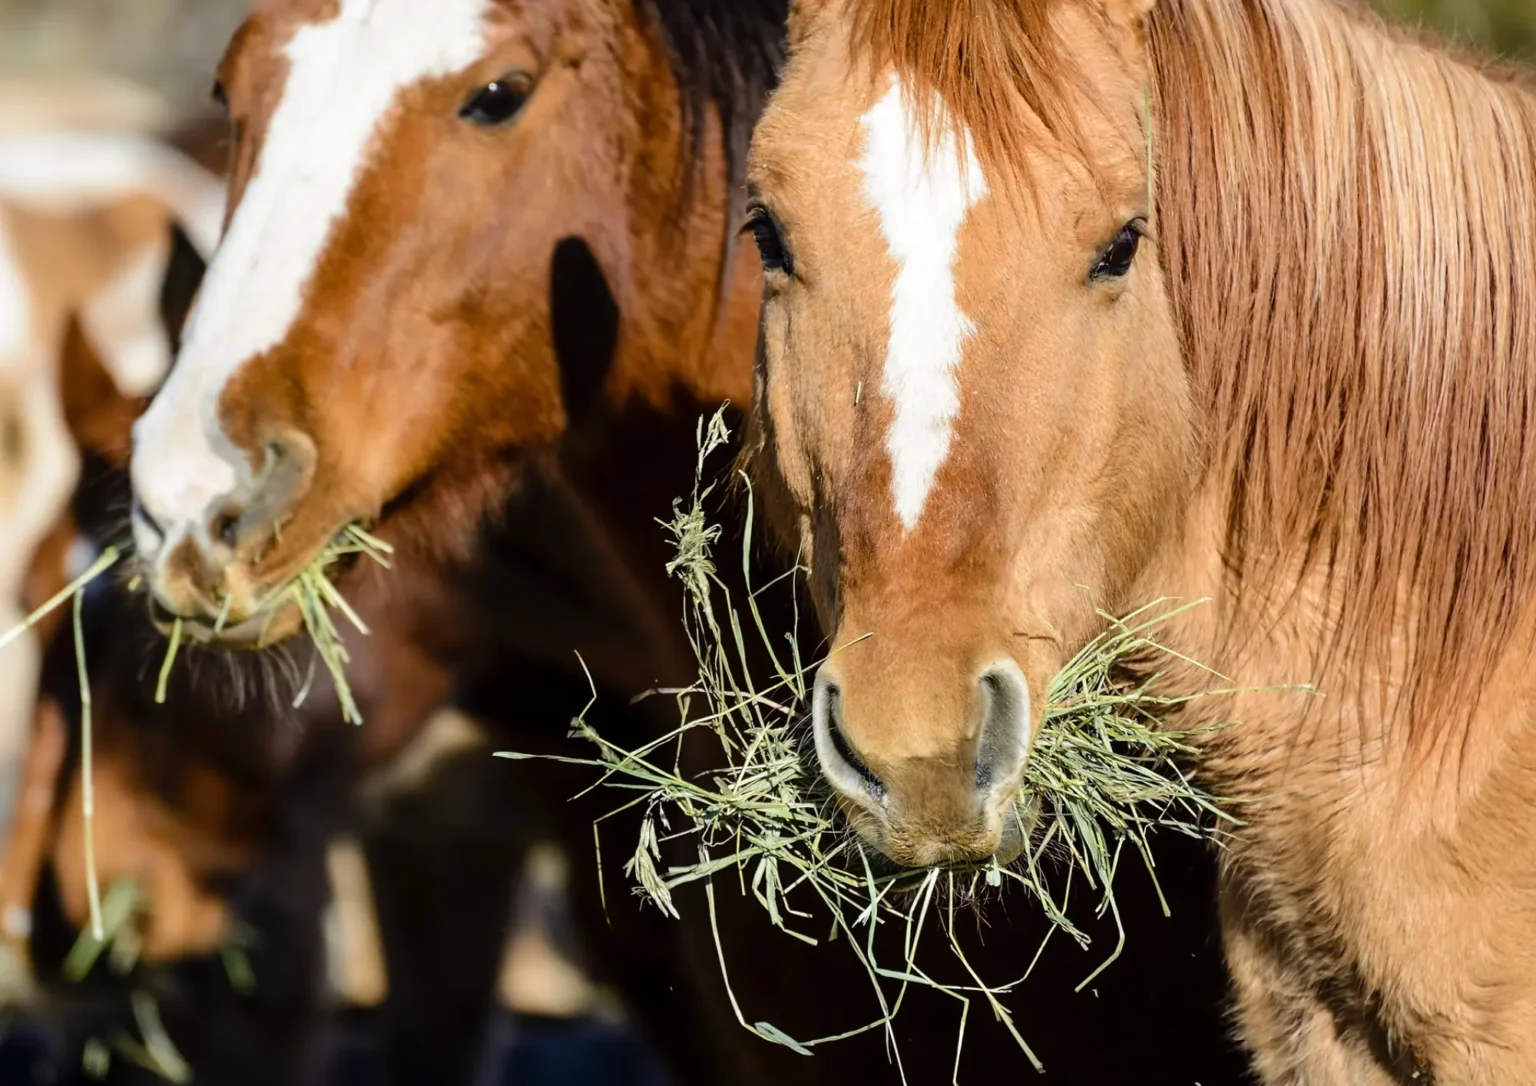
(1018, 824)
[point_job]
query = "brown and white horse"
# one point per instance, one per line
(336, 371)
(463, 238)
(1292, 369)
(84, 243)
(481, 277)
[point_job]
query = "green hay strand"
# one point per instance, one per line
(105, 561)
(1102, 776)
(117, 913)
(87, 777)
(96, 1059)
(121, 942)
(74, 593)
(316, 598)
(157, 1053)
(170, 659)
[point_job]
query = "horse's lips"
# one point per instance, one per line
(1011, 845)
(253, 634)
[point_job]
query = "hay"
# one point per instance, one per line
(112, 923)
(1102, 777)
(313, 593)
(316, 598)
(120, 940)
(153, 1050)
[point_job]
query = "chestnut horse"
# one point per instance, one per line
(1183, 299)
(480, 280)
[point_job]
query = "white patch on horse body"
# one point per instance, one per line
(34, 488)
(66, 172)
(16, 332)
(122, 322)
(20, 665)
(344, 78)
(922, 200)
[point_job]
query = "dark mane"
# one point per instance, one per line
(725, 55)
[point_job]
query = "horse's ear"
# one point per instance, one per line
(99, 417)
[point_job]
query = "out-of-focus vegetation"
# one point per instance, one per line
(1507, 26)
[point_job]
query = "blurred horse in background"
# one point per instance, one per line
(85, 241)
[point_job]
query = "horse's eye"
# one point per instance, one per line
(219, 95)
(1116, 259)
(497, 103)
(770, 241)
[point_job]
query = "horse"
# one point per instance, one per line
(104, 235)
(84, 239)
(107, 273)
(481, 277)
(1075, 305)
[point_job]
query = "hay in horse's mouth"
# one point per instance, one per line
(1102, 775)
(308, 601)
(311, 592)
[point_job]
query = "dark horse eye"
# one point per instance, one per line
(770, 242)
(497, 103)
(219, 95)
(1116, 260)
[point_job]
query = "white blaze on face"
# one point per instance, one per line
(922, 199)
(344, 78)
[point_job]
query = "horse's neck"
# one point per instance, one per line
(685, 349)
(1347, 224)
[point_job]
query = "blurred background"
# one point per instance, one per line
(170, 46)
(1508, 26)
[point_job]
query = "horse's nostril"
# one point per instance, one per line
(246, 517)
(827, 713)
(226, 528)
(1005, 725)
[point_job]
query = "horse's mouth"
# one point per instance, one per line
(909, 872)
(253, 634)
(245, 613)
